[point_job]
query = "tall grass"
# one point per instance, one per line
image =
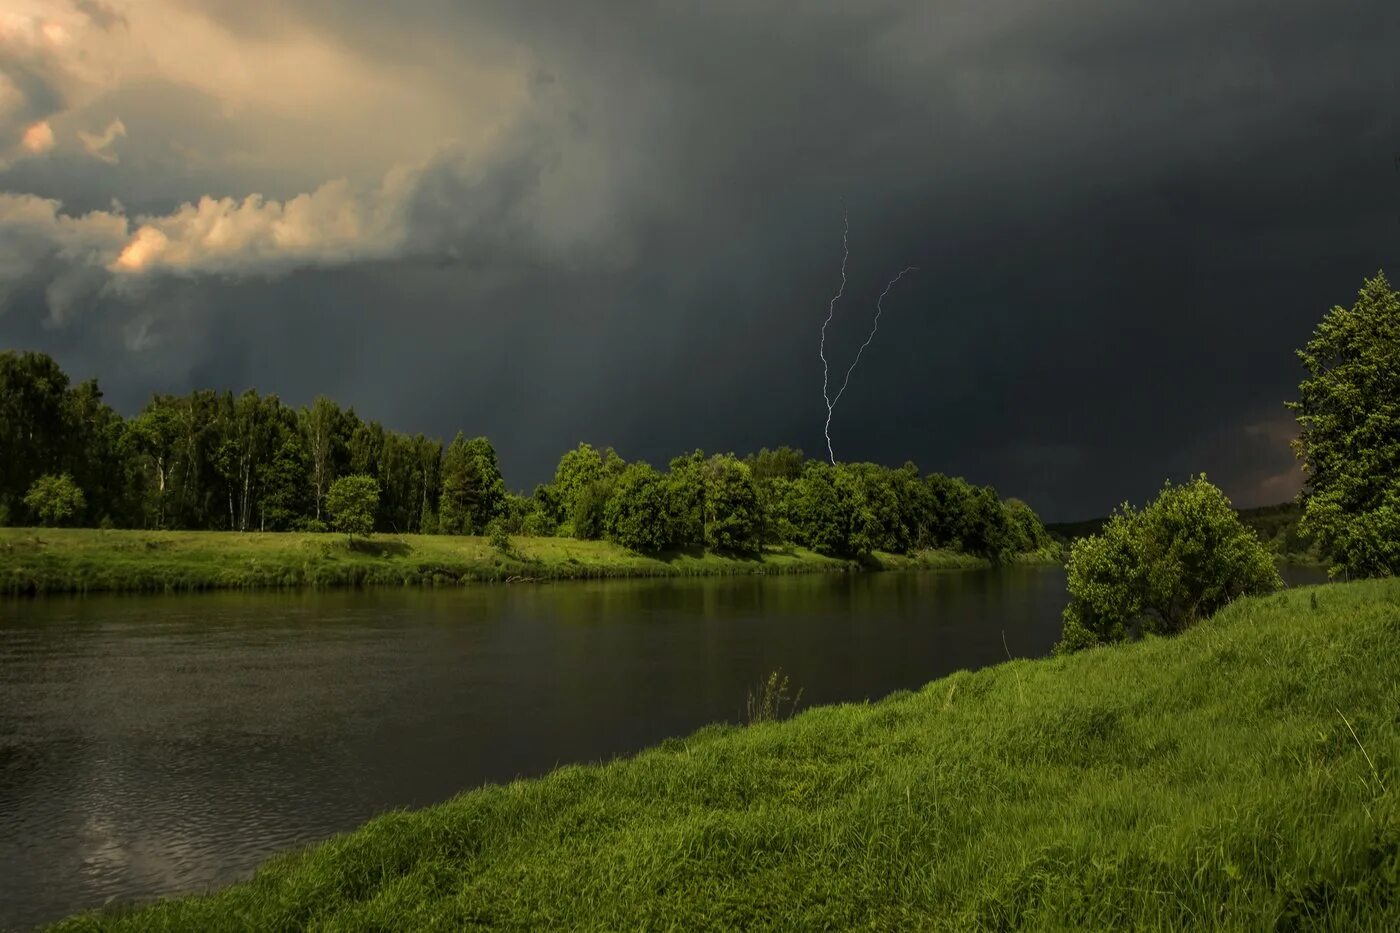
(1239, 776)
(765, 702)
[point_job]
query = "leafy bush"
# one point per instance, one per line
(499, 537)
(537, 525)
(586, 514)
(352, 502)
(1162, 569)
(55, 499)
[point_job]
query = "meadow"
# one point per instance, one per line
(80, 560)
(1242, 775)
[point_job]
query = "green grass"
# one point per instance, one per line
(1240, 776)
(47, 560)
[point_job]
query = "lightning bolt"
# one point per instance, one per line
(830, 311)
(873, 330)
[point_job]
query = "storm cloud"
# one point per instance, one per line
(553, 222)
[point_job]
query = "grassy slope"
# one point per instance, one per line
(1208, 780)
(38, 560)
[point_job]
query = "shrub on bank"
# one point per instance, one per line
(1162, 569)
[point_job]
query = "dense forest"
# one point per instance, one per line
(219, 461)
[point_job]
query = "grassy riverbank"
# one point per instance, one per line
(1241, 776)
(48, 560)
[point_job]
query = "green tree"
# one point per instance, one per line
(352, 502)
(285, 481)
(33, 396)
(499, 537)
(950, 508)
(151, 443)
(775, 496)
(871, 508)
(400, 501)
(732, 518)
(365, 449)
(95, 455)
(321, 425)
(819, 513)
(685, 481)
(582, 484)
(638, 512)
(473, 492)
(548, 505)
(1162, 569)
(54, 500)
(1027, 531)
(915, 504)
(1349, 421)
(783, 463)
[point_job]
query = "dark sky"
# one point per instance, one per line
(618, 222)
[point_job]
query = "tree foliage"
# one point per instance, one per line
(582, 485)
(1162, 569)
(638, 513)
(732, 521)
(352, 501)
(473, 491)
(1348, 414)
(54, 500)
(686, 483)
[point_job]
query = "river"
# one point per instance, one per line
(165, 744)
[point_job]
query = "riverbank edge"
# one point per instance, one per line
(43, 561)
(1241, 774)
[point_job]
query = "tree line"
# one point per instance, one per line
(218, 461)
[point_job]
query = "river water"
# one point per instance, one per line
(158, 745)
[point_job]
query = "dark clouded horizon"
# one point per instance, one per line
(549, 222)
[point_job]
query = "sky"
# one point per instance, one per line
(621, 222)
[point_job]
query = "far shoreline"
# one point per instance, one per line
(74, 561)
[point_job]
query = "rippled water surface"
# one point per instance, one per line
(154, 745)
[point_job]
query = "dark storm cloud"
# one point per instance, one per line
(1126, 216)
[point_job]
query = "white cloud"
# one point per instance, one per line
(52, 60)
(519, 175)
(38, 138)
(78, 257)
(255, 236)
(100, 147)
(330, 226)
